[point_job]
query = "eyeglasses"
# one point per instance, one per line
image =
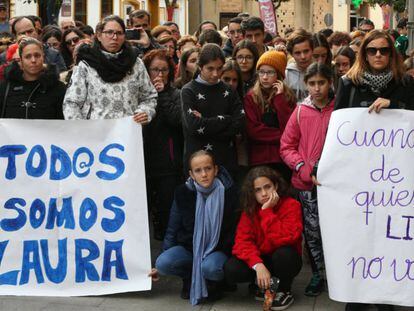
(233, 32)
(270, 73)
(74, 40)
(246, 58)
(385, 51)
(112, 33)
(158, 70)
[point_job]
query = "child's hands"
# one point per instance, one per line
(279, 86)
(263, 276)
(273, 199)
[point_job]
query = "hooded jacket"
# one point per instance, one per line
(40, 99)
(303, 140)
(294, 80)
(180, 229)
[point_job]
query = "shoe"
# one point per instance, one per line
(282, 301)
(315, 286)
(352, 306)
(185, 290)
(214, 291)
(385, 307)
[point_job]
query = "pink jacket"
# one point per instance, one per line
(303, 140)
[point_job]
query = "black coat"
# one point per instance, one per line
(163, 136)
(180, 229)
(40, 99)
(349, 95)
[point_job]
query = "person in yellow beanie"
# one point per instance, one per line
(268, 106)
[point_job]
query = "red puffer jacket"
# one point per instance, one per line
(263, 140)
(303, 141)
(268, 230)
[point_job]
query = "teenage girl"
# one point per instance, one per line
(301, 147)
(268, 237)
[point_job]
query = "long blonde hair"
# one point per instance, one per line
(260, 98)
(361, 64)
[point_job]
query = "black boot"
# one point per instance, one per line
(352, 306)
(185, 290)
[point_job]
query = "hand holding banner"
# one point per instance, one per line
(366, 206)
(73, 214)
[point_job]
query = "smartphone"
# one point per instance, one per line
(132, 34)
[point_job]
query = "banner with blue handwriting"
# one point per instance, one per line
(366, 206)
(73, 211)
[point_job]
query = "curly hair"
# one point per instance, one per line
(162, 55)
(248, 199)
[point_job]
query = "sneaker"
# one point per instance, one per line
(352, 306)
(315, 286)
(185, 290)
(282, 301)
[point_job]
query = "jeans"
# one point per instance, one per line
(179, 262)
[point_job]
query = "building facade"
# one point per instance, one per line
(90, 12)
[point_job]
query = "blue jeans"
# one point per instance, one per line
(179, 262)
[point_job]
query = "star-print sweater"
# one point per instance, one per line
(222, 117)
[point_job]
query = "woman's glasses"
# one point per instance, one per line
(385, 51)
(74, 40)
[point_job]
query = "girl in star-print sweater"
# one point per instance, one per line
(212, 112)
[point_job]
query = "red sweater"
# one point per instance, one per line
(264, 141)
(268, 230)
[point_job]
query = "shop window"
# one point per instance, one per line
(106, 8)
(81, 11)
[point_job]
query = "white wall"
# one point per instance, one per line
(25, 8)
(340, 15)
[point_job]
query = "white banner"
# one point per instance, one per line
(73, 211)
(366, 206)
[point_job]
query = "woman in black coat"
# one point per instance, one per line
(31, 90)
(163, 141)
(376, 81)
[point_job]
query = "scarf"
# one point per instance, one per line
(111, 67)
(377, 82)
(207, 227)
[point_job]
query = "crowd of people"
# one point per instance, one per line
(234, 124)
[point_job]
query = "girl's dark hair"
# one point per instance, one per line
(230, 65)
(319, 40)
(52, 33)
(201, 153)
(318, 69)
(249, 45)
(185, 76)
(347, 52)
(110, 18)
(209, 52)
(160, 54)
(66, 54)
(248, 198)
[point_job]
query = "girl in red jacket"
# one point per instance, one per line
(301, 147)
(268, 238)
(268, 107)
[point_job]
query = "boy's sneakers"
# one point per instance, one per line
(282, 301)
(315, 286)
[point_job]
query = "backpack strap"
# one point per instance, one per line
(298, 114)
(6, 94)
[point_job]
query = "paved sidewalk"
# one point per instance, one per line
(165, 297)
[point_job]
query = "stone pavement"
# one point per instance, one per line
(165, 297)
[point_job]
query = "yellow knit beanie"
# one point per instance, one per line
(275, 59)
